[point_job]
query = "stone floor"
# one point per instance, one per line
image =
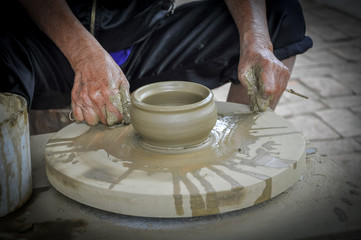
(330, 75)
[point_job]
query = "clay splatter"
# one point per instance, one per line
(227, 150)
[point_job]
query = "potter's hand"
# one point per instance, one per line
(100, 89)
(264, 76)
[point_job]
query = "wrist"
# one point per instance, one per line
(82, 48)
(251, 40)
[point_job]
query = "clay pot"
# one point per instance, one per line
(15, 162)
(173, 113)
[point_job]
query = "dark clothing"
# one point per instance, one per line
(198, 43)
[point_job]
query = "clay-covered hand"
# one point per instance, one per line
(264, 76)
(100, 89)
(99, 86)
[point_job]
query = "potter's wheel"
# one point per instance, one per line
(249, 158)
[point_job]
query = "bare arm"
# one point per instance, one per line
(95, 94)
(259, 70)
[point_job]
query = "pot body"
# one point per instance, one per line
(173, 114)
(15, 163)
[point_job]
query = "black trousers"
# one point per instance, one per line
(198, 43)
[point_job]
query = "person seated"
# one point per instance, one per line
(91, 53)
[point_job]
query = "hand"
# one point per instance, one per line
(264, 76)
(99, 83)
(95, 94)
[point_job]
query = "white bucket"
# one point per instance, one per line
(15, 163)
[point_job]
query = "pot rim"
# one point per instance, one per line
(168, 86)
(20, 106)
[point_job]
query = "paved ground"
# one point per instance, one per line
(330, 74)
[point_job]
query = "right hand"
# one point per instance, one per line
(264, 76)
(95, 95)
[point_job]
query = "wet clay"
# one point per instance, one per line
(125, 97)
(122, 102)
(116, 101)
(15, 164)
(255, 89)
(173, 113)
(247, 159)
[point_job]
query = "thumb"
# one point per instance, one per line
(125, 98)
(250, 78)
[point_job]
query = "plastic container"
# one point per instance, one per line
(15, 162)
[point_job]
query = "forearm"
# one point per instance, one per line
(97, 78)
(57, 21)
(251, 21)
(259, 71)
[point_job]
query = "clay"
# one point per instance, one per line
(116, 101)
(255, 89)
(15, 163)
(124, 94)
(248, 159)
(122, 102)
(173, 114)
(4, 112)
(111, 118)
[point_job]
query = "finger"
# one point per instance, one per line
(86, 105)
(125, 98)
(267, 79)
(250, 79)
(98, 105)
(102, 115)
(275, 81)
(77, 112)
(123, 81)
(114, 110)
(90, 116)
(112, 117)
(267, 85)
(242, 72)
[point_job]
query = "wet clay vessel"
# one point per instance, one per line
(15, 162)
(173, 114)
(247, 159)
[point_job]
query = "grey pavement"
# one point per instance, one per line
(330, 75)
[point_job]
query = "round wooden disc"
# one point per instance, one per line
(248, 158)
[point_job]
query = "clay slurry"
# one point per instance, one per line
(238, 167)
